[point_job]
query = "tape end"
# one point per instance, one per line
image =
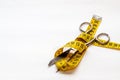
(97, 17)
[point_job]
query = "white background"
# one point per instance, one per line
(32, 30)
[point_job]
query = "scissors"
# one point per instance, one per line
(96, 39)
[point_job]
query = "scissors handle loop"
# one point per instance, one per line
(100, 41)
(85, 23)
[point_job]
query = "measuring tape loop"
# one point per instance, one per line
(64, 64)
(71, 61)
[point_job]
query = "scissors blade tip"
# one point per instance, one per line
(52, 62)
(57, 70)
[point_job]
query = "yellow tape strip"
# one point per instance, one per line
(111, 45)
(95, 22)
(79, 45)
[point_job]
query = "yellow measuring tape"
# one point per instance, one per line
(70, 62)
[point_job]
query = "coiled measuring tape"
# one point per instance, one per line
(69, 56)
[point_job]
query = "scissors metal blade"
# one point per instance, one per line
(62, 55)
(72, 56)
